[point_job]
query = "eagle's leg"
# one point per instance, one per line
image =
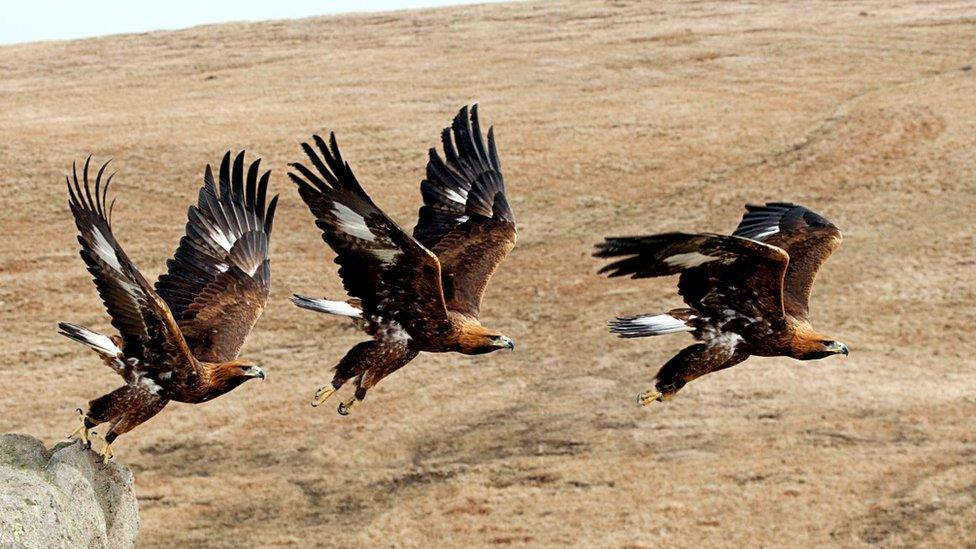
(371, 361)
(123, 410)
(346, 407)
(323, 394)
(107, 449)
(651, 395)
(690, 363)
(84, 429)
(349, 367)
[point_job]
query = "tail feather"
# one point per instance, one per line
(650, 325)
(341, 308)
(101, 343)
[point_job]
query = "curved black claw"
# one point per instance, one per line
(346, 407)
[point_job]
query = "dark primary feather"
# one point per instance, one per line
(466, 219)
(806, 236)
(717, 271)
(389, 271)
(141, 317)
(218, 282)
(468, 181)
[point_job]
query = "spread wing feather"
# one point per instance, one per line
(718, 272)
(466, 219)
(218, 281)
(807, 237)
(149, 332)
(389, 271)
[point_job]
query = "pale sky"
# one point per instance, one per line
(33, 20)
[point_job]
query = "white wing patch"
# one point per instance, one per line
(352, 223)
(225, 241)
(689, 260)
(455, 196)
(770, 231)
(386, 255)
(105, 251)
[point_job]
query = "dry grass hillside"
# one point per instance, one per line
(612, 117)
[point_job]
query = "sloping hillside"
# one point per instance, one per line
(611, 117)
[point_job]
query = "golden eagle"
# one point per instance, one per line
(748, 293)
(411, 293)
(180, 341)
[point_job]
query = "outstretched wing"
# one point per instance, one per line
(149, 332)
(466, 219)
(718, 272)
(391, 273)
(218, 281)
(807, 237)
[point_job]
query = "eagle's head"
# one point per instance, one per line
(250, 370)
(229, 375)
(478, 340)
(825, 348)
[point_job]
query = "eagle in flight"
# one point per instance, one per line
(179, 341)
(411, 293)
(748, 293)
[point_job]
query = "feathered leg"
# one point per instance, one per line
(123, 409)
(370, 361)
(103, 409)
(690, 363)
(350, 366)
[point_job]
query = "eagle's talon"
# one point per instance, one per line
(107, 452)
(345, 407)
(646, 397)
(322, 395)
(82, 431)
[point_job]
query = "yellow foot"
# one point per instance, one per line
(107, 452)
(82, 431)
(647, 397)
(322, 395)
(345, 407)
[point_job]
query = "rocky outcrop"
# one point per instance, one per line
(63, 497)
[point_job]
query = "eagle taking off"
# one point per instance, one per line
(180, 341)
(411, 293)
(748, 293)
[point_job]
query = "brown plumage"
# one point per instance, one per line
(748, 293)
(179, 341)
(412, 293)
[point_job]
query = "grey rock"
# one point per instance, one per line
(65, 497)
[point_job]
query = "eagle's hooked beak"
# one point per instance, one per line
(254, 371)
(838, 348)
(506, 342)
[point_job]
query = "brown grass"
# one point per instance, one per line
(612, 118)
